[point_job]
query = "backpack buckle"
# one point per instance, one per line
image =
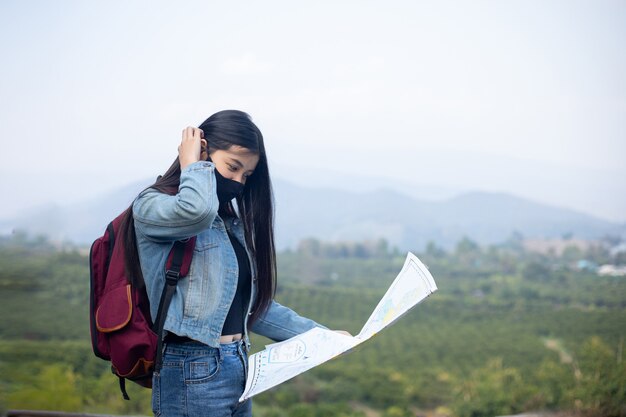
(171, 277)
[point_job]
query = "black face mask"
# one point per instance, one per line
(227, 189)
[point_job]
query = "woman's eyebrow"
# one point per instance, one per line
(236, 162)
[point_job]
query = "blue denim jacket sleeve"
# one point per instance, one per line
(163, 217)
(281, 323)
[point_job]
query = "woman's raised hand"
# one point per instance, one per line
(189, 148)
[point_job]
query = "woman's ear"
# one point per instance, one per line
(204, 151)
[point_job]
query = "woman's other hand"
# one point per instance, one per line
(190, 146)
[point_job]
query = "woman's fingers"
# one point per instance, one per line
(189, 148)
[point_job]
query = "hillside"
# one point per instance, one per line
(507, 332)
(337, 215)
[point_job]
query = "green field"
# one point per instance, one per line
(507, 332)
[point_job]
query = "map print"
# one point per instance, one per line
(281, 361)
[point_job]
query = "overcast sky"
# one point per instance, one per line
(525, 97)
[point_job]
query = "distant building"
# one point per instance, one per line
(615, 250)
(612, 270)
(556, 246)
(586, 265)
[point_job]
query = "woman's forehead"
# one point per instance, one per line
(248, 158)
(240, 150)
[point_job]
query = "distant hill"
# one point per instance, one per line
(409, 223)
(335, 215)
(79, 223)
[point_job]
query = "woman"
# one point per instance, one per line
(219, 190)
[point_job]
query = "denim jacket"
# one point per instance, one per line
(202, 299)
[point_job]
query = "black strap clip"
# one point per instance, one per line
(172, 277)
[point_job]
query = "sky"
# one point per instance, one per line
(434, 98)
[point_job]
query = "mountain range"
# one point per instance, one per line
(331, 214)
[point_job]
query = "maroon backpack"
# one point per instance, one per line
(122, 330)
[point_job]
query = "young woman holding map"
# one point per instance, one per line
(219, 190)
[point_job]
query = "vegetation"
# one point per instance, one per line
(507, 332)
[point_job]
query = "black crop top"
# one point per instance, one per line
(239, 307)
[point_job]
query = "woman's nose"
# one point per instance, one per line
(240, 178)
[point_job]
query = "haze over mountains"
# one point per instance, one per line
(331, 214)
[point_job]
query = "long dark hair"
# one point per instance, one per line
(256, 205)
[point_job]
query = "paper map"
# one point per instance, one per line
(281, 361)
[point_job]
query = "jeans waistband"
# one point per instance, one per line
(233, 347)
(199, 348)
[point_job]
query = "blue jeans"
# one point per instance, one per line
(197, 380)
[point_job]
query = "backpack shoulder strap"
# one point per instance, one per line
(177, 267)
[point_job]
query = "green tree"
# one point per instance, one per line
(310, 247)
(302, 410)
(555, 379)
(434, 251)
(491, 391)
(55, 387)
(395, 411)
(467, 252)
(536, 271)
(601, 388)
(571, 254)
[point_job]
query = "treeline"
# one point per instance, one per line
(467, 250)
(333, 250)
(507, 332)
